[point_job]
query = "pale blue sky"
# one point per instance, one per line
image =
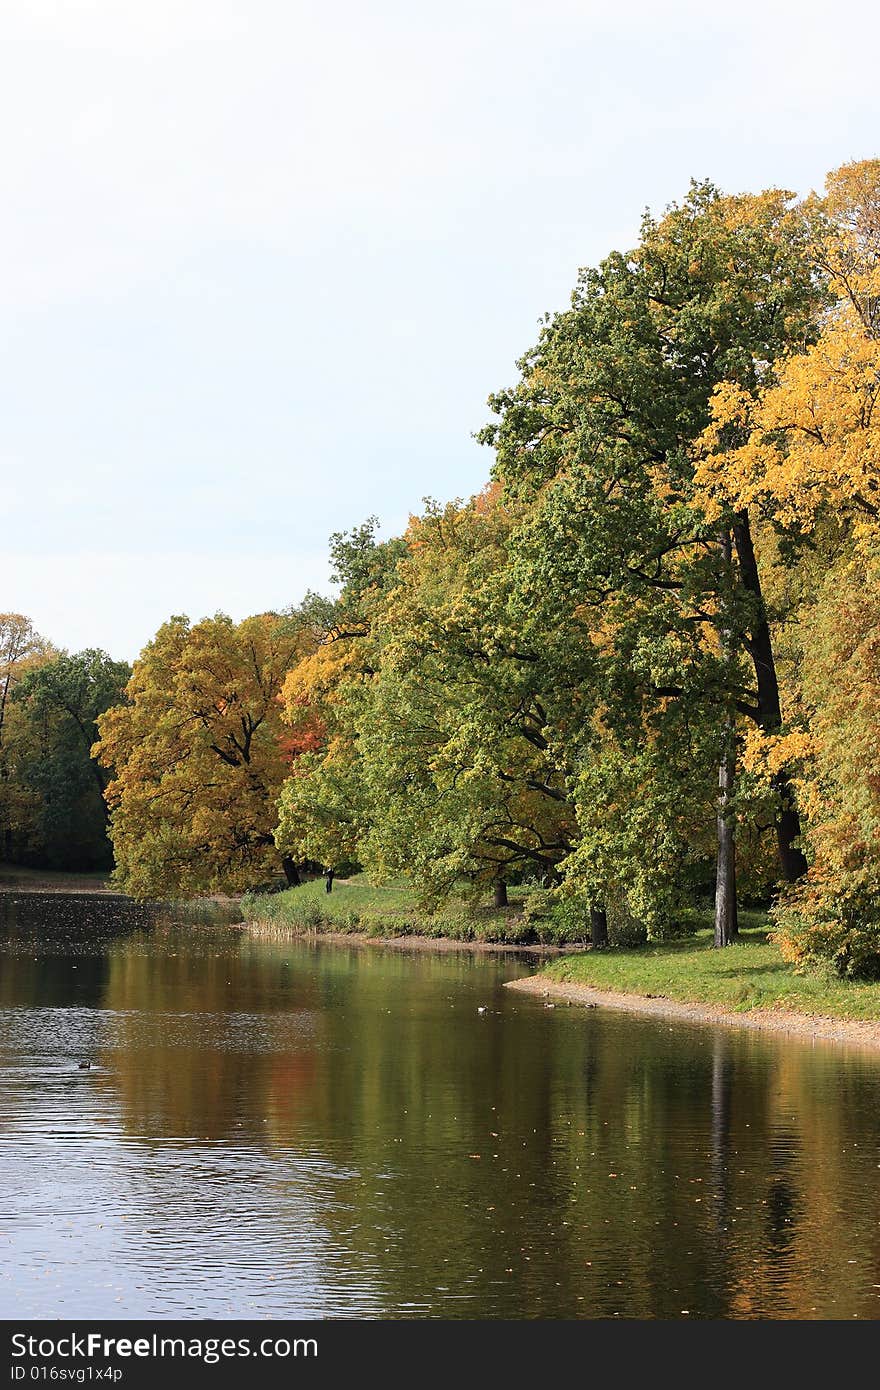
(261, 262)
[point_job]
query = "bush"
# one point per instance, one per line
(676, 927)
(553, 918)
(559, 915)
(834, 924)
(624, 928)
(538, 905)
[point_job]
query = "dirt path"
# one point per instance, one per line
(810, 1027)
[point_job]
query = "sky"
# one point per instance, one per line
(262, 262)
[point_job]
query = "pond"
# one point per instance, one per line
(307, 1129)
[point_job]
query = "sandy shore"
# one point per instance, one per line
(810, 1027)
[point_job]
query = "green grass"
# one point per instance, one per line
(355, 905)
(748, 975)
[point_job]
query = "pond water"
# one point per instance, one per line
(297, 1129)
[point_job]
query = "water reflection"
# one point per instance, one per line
(303, 1130)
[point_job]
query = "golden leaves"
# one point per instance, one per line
(810, 441)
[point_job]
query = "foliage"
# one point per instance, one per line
(56, 707)
(541, 681)
(805, 452)
(323, 810)
(645, 656)
(22, 649)
(199, 754)
(386, 911)
(454, 754)
(617, 552)
(835, 914)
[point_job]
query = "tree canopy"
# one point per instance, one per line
(638, 666)
(198, 755)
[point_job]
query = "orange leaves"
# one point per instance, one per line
(306, 738)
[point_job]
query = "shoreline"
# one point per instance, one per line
(404, 942)
(20, 882)
(16, 880)
(808, 1027)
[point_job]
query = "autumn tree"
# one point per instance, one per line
(803, 452)
(833, 915)
(599, 438)
(198, 755)
(21, 648)
(807, 443)
(434, 761)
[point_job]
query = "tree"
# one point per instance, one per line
(804, 452)
(324, 811)
(599, 439)
(455, 753)
(21, 649)
(58, 704)
(198, 755)
(78, 689)
(434, 759)
(833, 915)
(808, 442)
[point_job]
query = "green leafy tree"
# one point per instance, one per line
(324, 811)
(58, 705)
(599, 440)
(21, 650)
(455, 751)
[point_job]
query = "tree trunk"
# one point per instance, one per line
(328, 887)
(101, 782)
(291, 872)
(725, 872)
(725, 876)
(598, 926)
(788, 825)
(500, 893)
(788, 829)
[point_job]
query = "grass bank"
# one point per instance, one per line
(356, 906)
(748, 977)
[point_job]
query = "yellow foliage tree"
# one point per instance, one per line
(834, 914)
(199, 754)
(810, 440)
(804, 453)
